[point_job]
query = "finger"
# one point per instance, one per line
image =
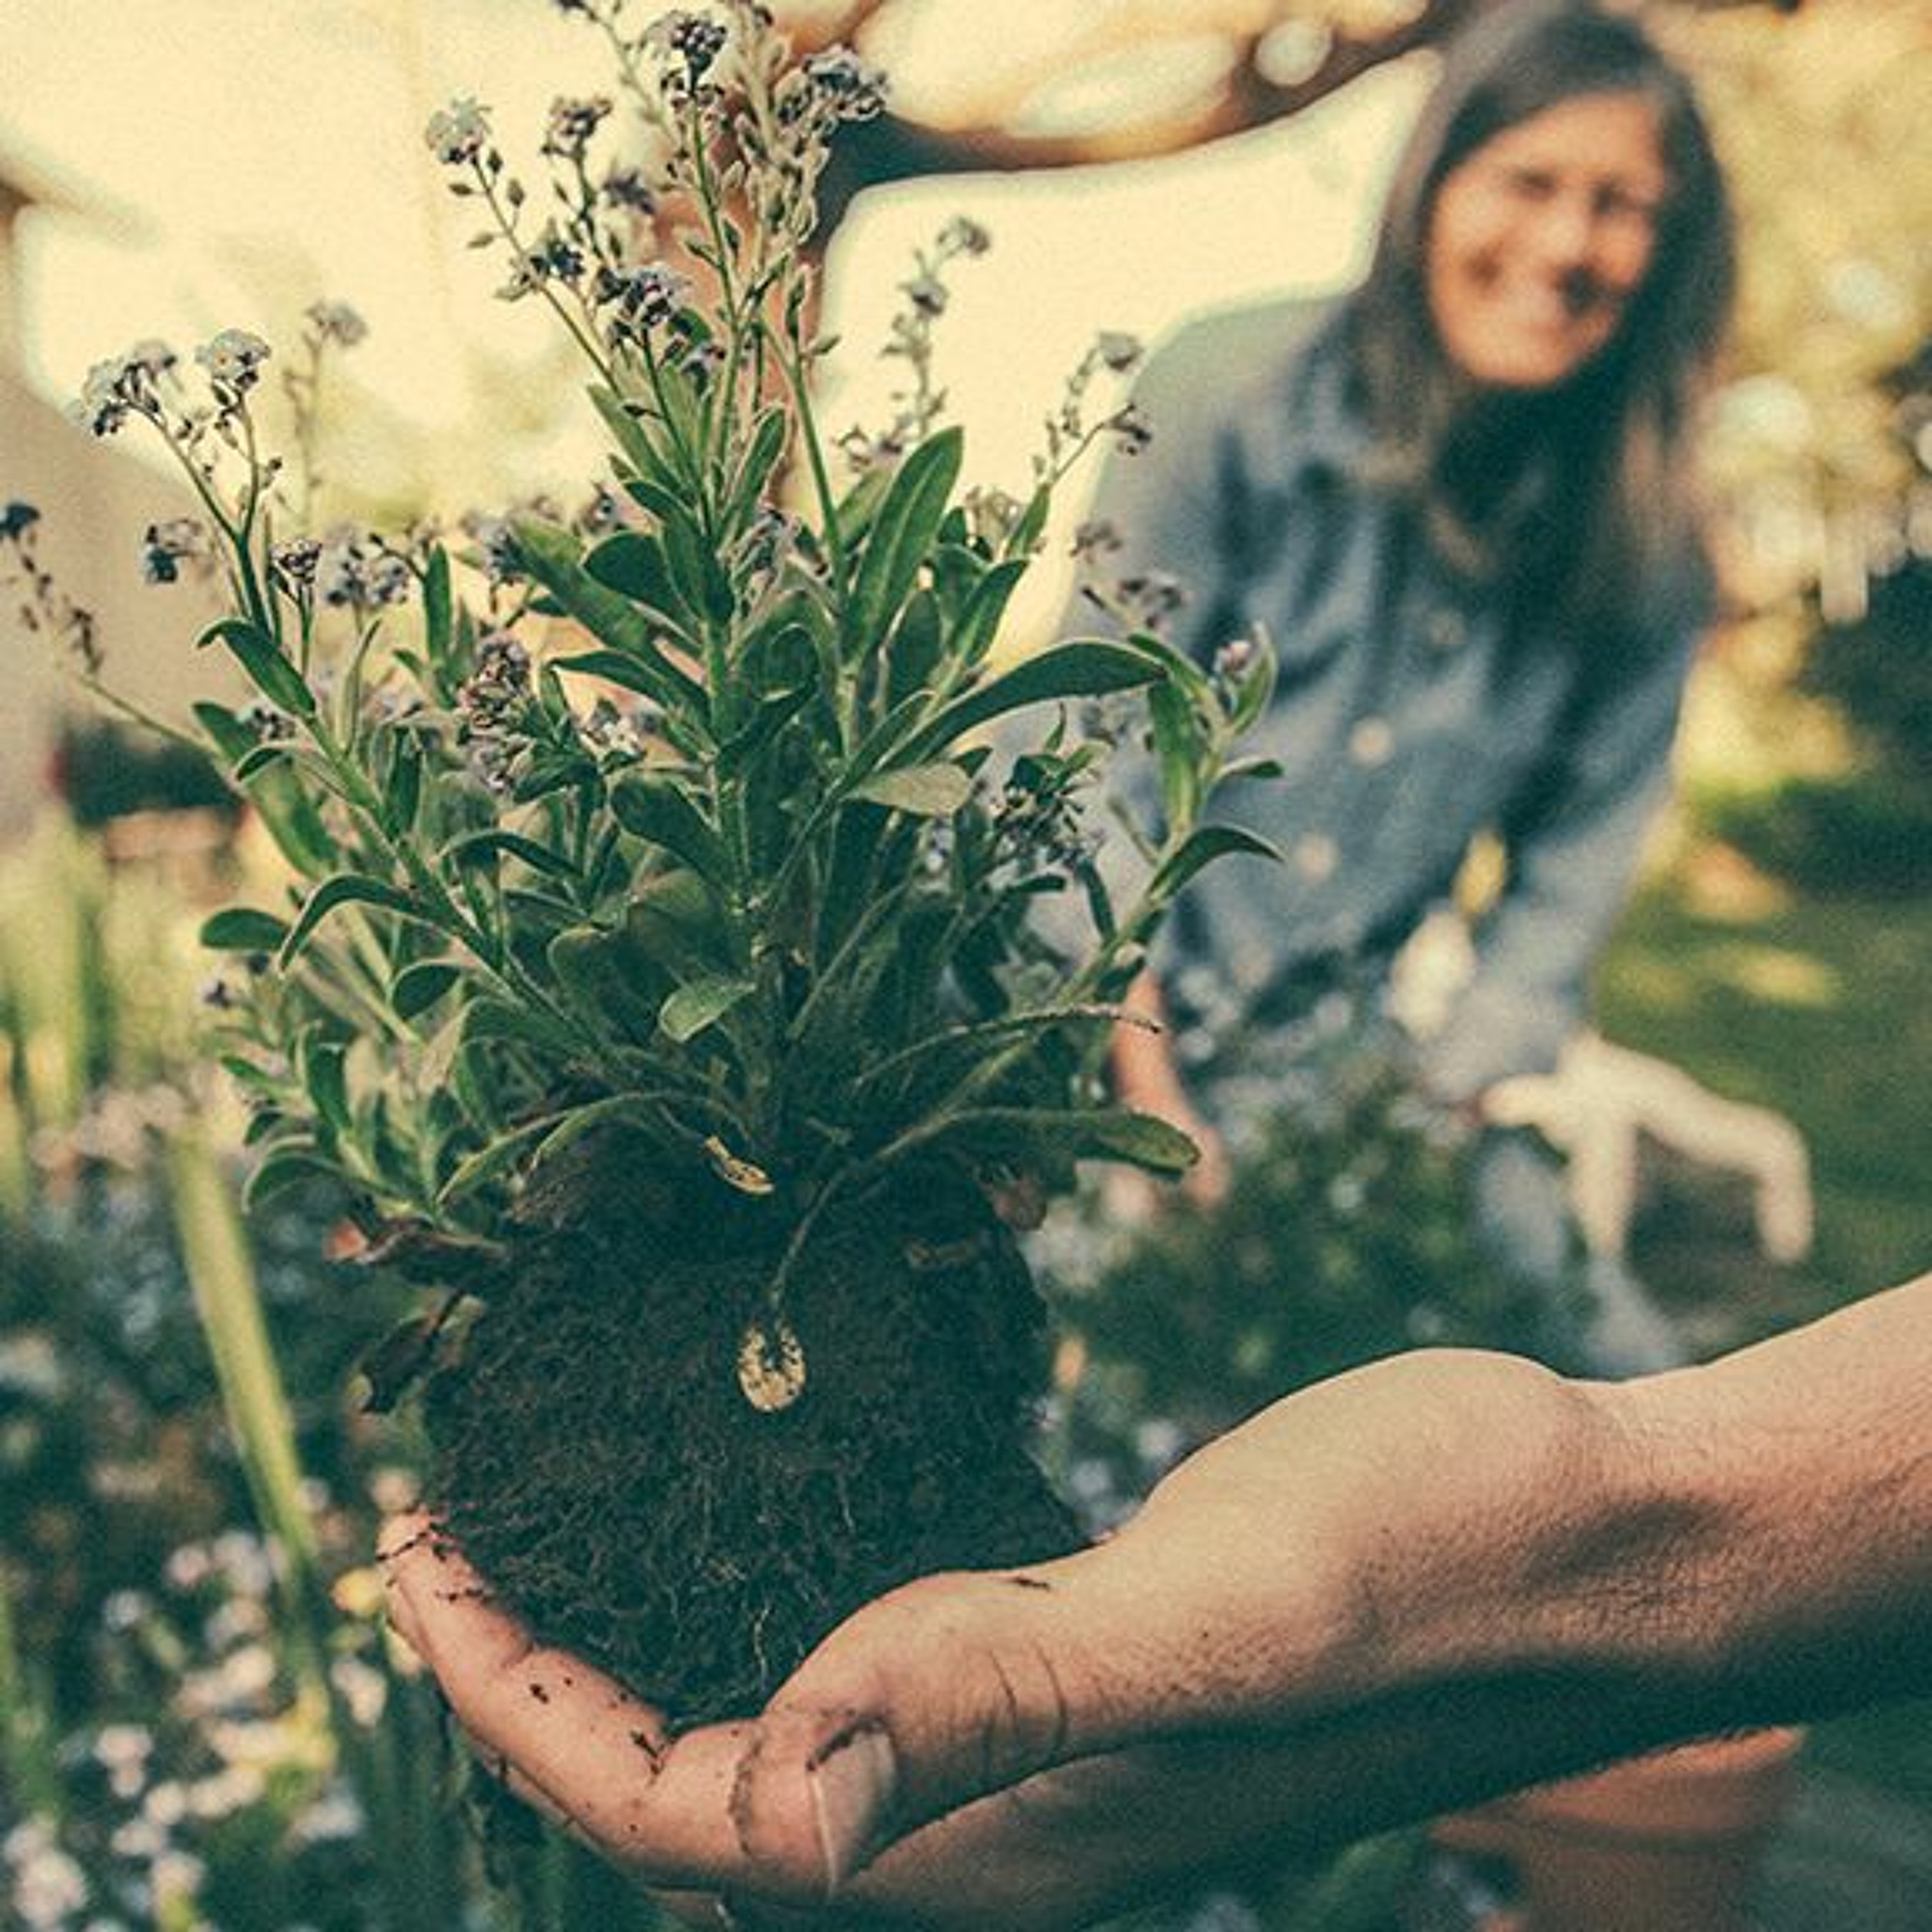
(578, 1745)
(948, 1689)
(959, 1686)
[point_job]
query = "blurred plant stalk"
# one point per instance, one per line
(98, 1069)
(26, 1731)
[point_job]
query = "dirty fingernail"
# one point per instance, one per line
(853, 1782)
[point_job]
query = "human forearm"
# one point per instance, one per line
(1452, 1575)
(1746, 1542)
(1804, 1585)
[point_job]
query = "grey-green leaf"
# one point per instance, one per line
(1201, 847)
(418, 988)
(902, 535)
(1087, 668)
(927, 791)
(273, 675)
(701, 1004)
(244, 929)
(663, 813)
(346, 889)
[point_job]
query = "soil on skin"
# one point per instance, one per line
(600, 1464)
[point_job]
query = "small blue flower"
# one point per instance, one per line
(336, 321)
(459, 133)
(233, 360)
(845, 85)
(168, 545)
(122, 385)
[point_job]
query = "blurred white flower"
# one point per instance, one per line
(48, 1885)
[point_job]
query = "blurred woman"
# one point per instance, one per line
(1460, 502)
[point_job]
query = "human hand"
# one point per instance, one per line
(787, 1822)
(1146, 1079)
(1223, 1680)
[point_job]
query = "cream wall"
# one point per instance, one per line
(95, 502)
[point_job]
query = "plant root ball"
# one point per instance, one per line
(599, 1462)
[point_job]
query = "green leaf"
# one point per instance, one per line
(661, 502)
(494, 1158)
(244, 929)
(1031, 1137)
(641, 1109)
(550, 555)
(438, 612)
(324, 1069)
(480, 848)
(403, 793)
(485, 1020)
(1179, 743)
(634, 563)
(1254, 690)
(614, 667)
(927, 791)
(958, 1050)
(1032, 526)
(550, 770)
(276, 752)
(418, 988)
(346, 889)
(980, 622)
(257, 1079)
(1241, 769)
(231, 737)
(271, 674)
(1201, 847)
(663, 812)
(1087, 668)
(684, 416)
(701, 585)
(287, 810)
(763, 449)
(287, 1167)
(674, 920)
(915, 649)
(701, 1004)
(770, 718)
(902, 535)
(629, 433)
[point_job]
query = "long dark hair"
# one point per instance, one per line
(1602, 495)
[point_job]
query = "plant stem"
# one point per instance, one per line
(26, 1726)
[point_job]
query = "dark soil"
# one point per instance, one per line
(600, 1464)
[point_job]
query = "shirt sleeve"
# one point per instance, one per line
(1572, 846)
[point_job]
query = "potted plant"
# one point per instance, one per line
(659, 968)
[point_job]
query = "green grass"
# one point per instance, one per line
(1816, 1006)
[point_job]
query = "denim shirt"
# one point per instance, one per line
(1414, 709)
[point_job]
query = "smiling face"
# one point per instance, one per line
(1539, 240)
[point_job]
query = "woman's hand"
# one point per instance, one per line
(1147, 1080)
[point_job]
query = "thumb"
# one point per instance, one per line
(946, 1690)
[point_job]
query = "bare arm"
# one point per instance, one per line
(1434, 1579)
